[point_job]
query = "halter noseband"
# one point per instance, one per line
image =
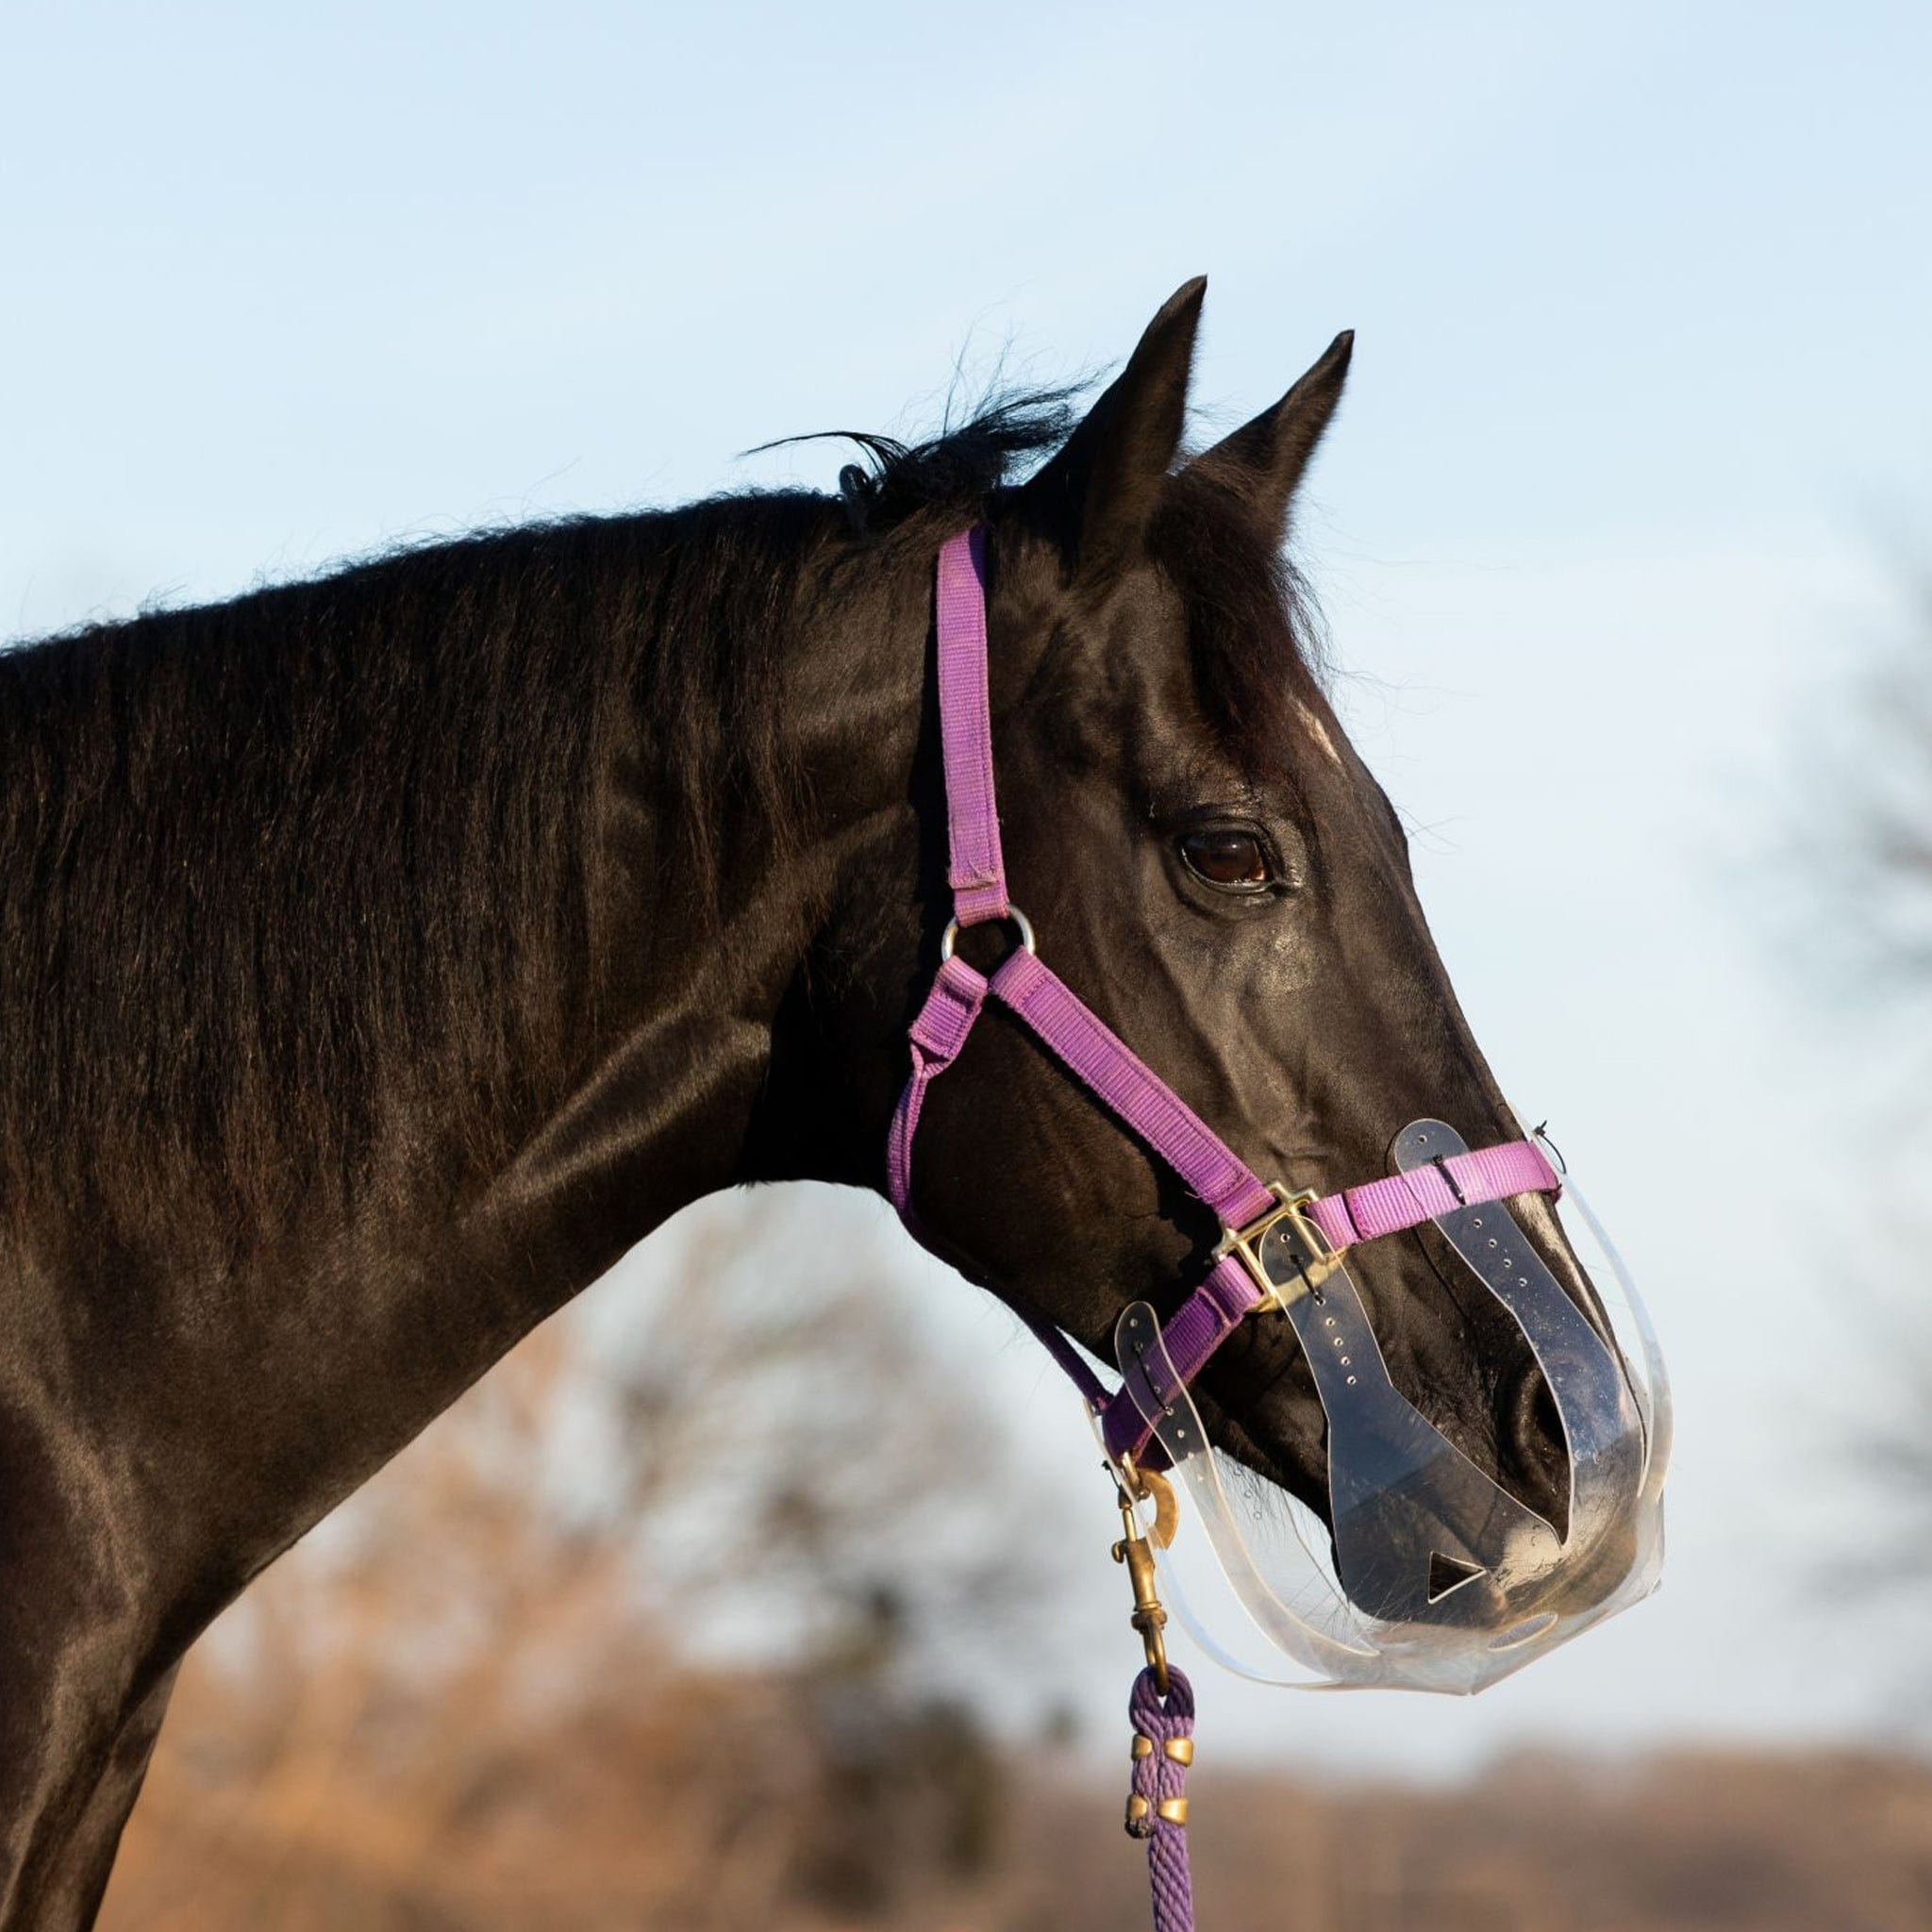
(1311, 1232)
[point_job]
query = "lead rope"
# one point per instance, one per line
(1162, 1711)
(1157, 1806)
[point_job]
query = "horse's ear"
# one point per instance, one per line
(1098, 492)
(1265, 459)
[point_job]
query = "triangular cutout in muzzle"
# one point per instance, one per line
(1449, 1573)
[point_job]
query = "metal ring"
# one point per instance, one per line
(1020, 922)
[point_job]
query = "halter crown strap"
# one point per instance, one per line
(1096, 1056)
(975, 870)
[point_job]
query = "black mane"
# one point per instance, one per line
(260, 855)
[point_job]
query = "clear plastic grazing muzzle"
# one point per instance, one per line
(1430, 1576)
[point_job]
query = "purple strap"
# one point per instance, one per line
(937, 1035)
(1366, 1213)
(1401, 1200)
(975, 870)
(1129, 1089)
(1093, 1053)
(1089, 1050)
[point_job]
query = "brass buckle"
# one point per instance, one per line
(1296, 1243)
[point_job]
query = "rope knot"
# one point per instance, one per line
(1163, 1749)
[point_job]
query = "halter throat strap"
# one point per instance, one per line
(1107, 1066)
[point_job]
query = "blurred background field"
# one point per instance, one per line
(769, 1586)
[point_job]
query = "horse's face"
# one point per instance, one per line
(1208, 864)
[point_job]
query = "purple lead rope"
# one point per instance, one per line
(1157, 1804)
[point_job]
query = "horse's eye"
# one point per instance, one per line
(1225, 856)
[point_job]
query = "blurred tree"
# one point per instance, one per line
(1872, 766)
(1868, 881)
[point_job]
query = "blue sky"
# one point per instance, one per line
(1639, 418)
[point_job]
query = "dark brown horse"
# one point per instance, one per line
(386, 955)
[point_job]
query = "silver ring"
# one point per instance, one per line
(1020, 924)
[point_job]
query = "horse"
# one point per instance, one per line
(386, 953)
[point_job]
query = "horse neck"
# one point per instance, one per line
(686, 1088)
(681, 1096)
(301, 1359)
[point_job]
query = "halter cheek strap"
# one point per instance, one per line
(1115, 1075)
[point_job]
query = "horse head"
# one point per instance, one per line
(1206, 863)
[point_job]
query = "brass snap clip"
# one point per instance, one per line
(1136, 1550)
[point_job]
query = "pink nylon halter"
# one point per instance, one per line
(1132, 1092)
